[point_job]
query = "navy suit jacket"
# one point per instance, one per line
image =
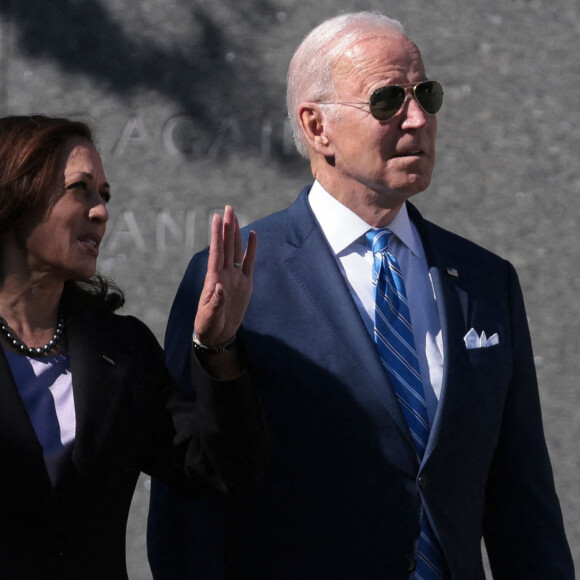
(342, 496)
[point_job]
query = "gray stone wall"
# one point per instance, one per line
(187, 99)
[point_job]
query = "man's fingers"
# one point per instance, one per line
(216, 254)
(250, 255)
(238, 247)
(226, 248)
(229, 236)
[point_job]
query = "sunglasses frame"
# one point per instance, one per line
(375, 94)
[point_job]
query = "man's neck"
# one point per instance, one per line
(376, 209)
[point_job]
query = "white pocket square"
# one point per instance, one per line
(473, 340)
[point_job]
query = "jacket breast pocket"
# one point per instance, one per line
(486, 380)
(490, 364)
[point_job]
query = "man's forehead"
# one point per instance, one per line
(391, 48)
(387, 35)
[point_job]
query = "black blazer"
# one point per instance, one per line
(121, 391)
(343, 490)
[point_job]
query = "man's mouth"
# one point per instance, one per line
(417, 153)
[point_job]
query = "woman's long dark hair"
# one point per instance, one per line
(30, 148)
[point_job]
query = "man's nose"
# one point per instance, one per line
(413, 114)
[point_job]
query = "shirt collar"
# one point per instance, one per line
(342, 227)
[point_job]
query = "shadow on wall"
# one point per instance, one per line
(86, 38)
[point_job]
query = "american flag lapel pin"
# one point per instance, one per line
(452, 272)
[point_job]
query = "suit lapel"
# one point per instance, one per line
(313, 266)
(453, 304)
(97, 375)
(20, 450)
(97, 381)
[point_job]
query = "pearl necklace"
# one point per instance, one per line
(31, 351)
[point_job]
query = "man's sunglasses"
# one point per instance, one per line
(386, 102)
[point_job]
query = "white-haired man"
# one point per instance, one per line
(397, 378)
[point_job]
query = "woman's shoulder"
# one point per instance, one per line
(126, 331)
(129, 327)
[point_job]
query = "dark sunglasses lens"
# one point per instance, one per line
(430, 96)
(386, 101)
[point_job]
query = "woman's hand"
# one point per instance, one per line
(228, 282)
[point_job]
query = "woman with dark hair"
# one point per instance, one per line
(86, 403)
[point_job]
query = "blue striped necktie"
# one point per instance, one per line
(396, 345)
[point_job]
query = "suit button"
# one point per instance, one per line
(410, 563)
(422, 481)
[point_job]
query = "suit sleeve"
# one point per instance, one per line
(175, 523)
(217, 433)
(523, 527)
(225, 433)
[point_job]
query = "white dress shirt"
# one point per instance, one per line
(345, 232)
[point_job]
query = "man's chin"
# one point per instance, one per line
(412, 185)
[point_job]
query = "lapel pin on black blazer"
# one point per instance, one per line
(109, 360)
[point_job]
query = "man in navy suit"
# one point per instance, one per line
(346, 494)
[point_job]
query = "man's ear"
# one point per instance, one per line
(312, 121)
